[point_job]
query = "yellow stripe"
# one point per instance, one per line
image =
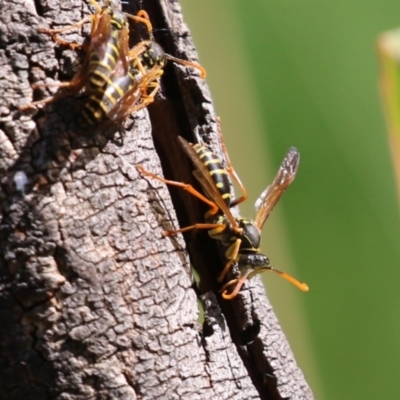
(111, 57)
(226, 196)
(205, 153)
(100, 63)
(118, 88)
(94, 111)
(218, 171)
(98, 82)
(114, 48)
(212, 161)
(116, 25)
(199, 148)
(110, 97)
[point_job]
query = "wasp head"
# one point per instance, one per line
(153, 55)
(250, 236)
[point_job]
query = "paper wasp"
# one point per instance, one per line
(126, 93)
(107, 51)
(117, 80)
(239, 237)
(129, 93)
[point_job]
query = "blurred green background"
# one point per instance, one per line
(305, 74)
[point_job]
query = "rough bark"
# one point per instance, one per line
(95, 302)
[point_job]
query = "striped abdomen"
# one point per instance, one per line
(101, 103)
(216, 170)
(103, 57)
(121, 93)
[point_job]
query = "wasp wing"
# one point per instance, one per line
(270, 196)
(101, 38)
(122, 65)
(203, 176)
(135, 92)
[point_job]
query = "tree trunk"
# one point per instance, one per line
(95, 301)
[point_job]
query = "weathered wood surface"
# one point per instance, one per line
(94, 301)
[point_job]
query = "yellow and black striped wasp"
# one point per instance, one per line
(135, 90)
(107, 51)
(117, 81)
(239, 237)
(127, 93)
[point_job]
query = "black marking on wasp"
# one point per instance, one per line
(240, 237)
(128, 93)
(125, 94)
(118, 81)
(107, 51)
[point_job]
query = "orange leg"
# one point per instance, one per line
(143, 103)
(143, 17)
(76, 84)
(191, 227)
(67, 28)
(145, 99)
(63, 42)
(231, 254)
(36, 103)
(184, 186)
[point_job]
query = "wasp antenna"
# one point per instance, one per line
(229, 296)
(239, 283)
(203, 72)
(302, 286)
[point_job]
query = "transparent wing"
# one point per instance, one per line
(136, 96)
(203, 176)
(100, 38)
(131, 85)
(270, 196)
(100, 34)
(121, 67)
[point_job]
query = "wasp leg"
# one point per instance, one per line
(53, 32)
(36, 103)
(66, 28)
(144, 103)
(97, 6)
(145, 99)
(231, 254)
(93, 18)
(153, 84)
(189, 188)
(76, 84)
(192, 227)
(143, 17)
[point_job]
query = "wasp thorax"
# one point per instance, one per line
(118, 19)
